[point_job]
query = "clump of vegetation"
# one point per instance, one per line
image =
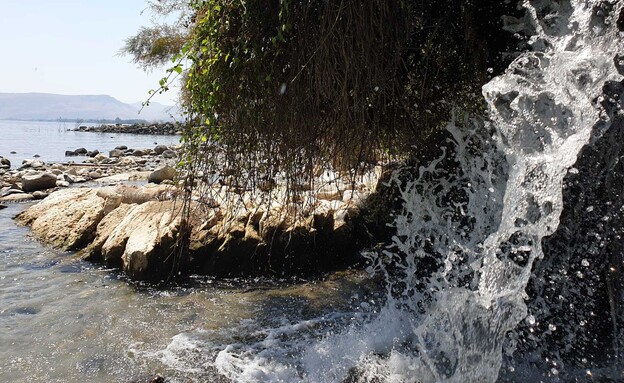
(281, 89)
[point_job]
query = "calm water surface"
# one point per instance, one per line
(50, 140)
(65, 320)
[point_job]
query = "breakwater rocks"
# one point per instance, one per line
(35, 179)
(230, 233)
(168, 128)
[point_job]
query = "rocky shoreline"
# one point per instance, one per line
(89, 207)
(36, 179)
(167, 128)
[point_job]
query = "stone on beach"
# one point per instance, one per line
(5, 163)
(38, 181)
(161, 174)
(143, 241)
(67, 218)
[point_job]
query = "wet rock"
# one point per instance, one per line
(67, 218)
(93, 153)
(38, 181)
(5, 163)
(121, 147)
(163, 173)
(81, 151)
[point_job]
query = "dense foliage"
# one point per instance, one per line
(282, 88)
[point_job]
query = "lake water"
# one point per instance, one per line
(50, 140)
(65, 320)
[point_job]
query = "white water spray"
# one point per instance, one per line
(472, 224)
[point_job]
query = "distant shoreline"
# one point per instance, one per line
(88, 121)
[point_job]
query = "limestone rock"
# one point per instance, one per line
(162, 173)
(67, 218)
(38, 181)
(93, 252)
(144, 240)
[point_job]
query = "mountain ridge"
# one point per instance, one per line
(50, 106)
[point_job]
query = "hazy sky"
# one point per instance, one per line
(71, 47)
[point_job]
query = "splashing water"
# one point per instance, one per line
(472, 224)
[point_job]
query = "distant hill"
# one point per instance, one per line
(45, 106)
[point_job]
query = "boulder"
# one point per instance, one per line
(139, 152)
(144, 241)
(5, 163)
(40, 194)
(73, 179)
(162, 173)
(93, 252)
(116, 153)
(81, 151)
(121, 147)
(67, 219)
(168, 154)
(31, 163)
(38, 181)
(160, 149)
(100, 157)
(95, 175)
